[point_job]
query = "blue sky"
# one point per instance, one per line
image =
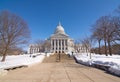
(76, 16)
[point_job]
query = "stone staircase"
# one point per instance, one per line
(56, 58)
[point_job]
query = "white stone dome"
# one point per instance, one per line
(59, 29)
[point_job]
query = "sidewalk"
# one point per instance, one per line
(65, 71)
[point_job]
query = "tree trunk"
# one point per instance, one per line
(4, 54)
(109, 46)
(99, 47)
(105, 48)
(86, 51)
(90, 54)
(3, 58)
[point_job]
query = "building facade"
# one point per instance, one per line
(60, 41)
(34, 48)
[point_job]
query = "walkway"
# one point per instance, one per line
(65, 71)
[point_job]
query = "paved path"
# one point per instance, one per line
(65, 71)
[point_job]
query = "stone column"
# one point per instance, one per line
(51, 44)
(37, 50)
(61, 45)
(64, 45)
(30, 50)
(54, 45)
(58, 45)
(33, 50)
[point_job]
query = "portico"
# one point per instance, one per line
(59, 45)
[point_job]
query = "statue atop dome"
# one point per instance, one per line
(59, 24)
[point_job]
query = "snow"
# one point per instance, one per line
(112, 61)
(17, 60)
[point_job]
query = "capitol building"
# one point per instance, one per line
(59, 41)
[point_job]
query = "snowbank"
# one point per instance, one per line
(83, 60)
(115, 70)
(21, 60)
(112, 61)
(17, 60)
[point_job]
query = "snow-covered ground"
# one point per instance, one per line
(16, 60)
(112, 61)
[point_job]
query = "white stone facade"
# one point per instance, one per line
(34, 48)
(60, 41)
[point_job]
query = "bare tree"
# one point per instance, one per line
(116, 22)
(97, 36)
(16, 51)
(87, 43)
(104, 25)
(117, 10)
(40, 44)
(43, 45)
(77, 45)
(100, 31)
(116, 25)
(108, 30)
(13, 31)
(47, 45)
(112, 30)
